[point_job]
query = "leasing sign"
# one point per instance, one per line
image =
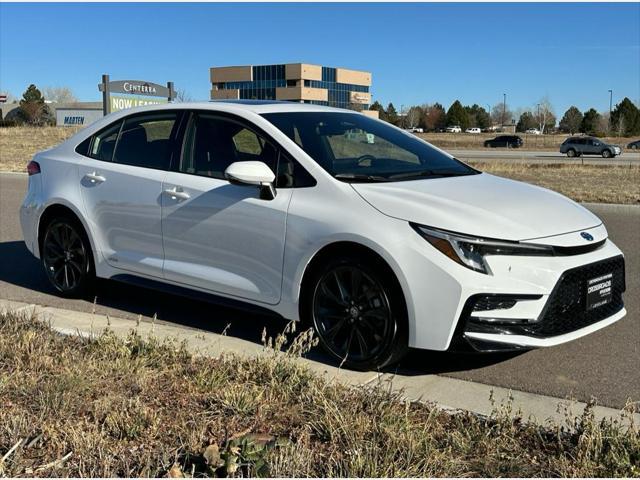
(135, 93)
(120, 102)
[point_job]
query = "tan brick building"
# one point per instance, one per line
(297, 82)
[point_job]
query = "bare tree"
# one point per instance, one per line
(183, 96)
(59, 95)
(603, 123)
(621, 126)
(413, 117)
(501, 114)
(545, 115)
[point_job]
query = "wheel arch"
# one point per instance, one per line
(352, 247)
(62, 208)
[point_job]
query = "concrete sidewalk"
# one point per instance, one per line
(448, 393)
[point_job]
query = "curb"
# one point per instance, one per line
(446, 393)
(624, 208)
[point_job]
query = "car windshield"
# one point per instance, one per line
(353, 147)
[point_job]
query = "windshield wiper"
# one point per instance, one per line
(361, 177)
(430, 173)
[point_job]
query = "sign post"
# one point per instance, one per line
(133, 90)
(105, 95)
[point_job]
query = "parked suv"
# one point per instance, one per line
(508, 141)
(576, 146)
(360, 230)
(454, 129)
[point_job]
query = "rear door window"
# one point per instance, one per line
(145, 140)
(104, 143)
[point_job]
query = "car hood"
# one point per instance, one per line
(483, 205)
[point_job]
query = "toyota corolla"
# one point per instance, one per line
(372, 236)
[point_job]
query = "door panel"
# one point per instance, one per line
(124, 210)
(223, 237)
(121, 185)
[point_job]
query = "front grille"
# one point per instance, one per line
(565, 310)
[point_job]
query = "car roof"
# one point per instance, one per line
(256, 106)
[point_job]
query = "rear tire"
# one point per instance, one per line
(358, 312)
(571, 153)
(66, 256)
(606, 154)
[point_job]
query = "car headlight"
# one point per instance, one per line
(471, 252)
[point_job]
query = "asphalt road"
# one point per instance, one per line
(604, 365)
(515, 155)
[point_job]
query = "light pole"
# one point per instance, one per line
(504, 108)
(539, 122)
(610, 108)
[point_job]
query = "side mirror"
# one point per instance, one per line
(253, 173)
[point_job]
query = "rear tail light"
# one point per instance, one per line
(33, 167)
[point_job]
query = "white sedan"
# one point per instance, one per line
(533, 131)
(363, 231)
(473, 130)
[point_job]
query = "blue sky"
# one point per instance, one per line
(418, 53)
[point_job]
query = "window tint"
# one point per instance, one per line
(354, 146)
(213, 143)
(145, 141)
(104, 143)
(83, 148)
(291, 174)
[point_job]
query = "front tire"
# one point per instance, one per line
(358, 313)
(66, 257)
(606, 154)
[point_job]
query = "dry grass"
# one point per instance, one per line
(19, 144)
(462, 141)
(582, 183)
(108, 407)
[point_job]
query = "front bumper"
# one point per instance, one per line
(437, 291)
(495, 322)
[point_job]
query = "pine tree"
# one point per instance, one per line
(392, 114)
(625, 118)
(33, 110)
(571, 121)
(377, 106)
(457, 115)
(590, 122)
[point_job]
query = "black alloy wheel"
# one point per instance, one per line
(66, 256)
(353, 314)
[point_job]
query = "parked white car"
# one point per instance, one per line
(416, 130)
(365, 232)
(454, 129)
(533, 131)
(473, 130)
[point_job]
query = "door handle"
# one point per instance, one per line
(95, 177)
(176, 193)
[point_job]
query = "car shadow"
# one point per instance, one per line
(21, 269)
